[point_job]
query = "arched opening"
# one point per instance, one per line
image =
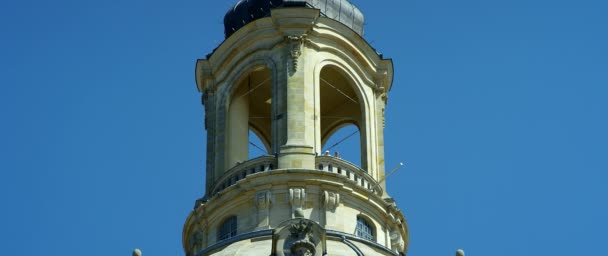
(341, 116)
(249, 117)
(365, 228)
(257, 147)
(345, 144)
(227, 228)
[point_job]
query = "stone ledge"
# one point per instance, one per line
(344, 237)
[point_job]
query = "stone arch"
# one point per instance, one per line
(350, 56)
(333, 76)
(265, 145)
(248, 83)
(366, 228)
(227, 228)
(335, 128)
(344, 142)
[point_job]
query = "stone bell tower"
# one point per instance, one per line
(293, 72)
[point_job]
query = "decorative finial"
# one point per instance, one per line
(137, 252)
(459, 252)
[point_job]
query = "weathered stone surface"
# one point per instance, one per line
(293, 79)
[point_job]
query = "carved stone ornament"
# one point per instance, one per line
(397, 242)
(301, 230)
(196, 239)
(299, 237)
(383, 118)
(297, 196)
(297, 199)
(295, 47)
(302, 233)
(331, 200)
(263, 200)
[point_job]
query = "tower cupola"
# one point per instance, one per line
(293, 73)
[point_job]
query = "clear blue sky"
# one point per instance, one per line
(499, 110)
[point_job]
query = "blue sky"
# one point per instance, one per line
(499, 110)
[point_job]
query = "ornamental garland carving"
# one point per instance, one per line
(302, 233)
(295, 47)
(299, 237)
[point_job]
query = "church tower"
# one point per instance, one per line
(293, 72)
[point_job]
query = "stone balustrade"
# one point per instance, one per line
(242, 170)
(349, 171)
(330, 164)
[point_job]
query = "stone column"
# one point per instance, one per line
(298, 150)
(379, 163)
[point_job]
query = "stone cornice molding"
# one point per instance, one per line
(246, 189)
(364, 55)
(283, 176)
(340, 236)
(269, 33)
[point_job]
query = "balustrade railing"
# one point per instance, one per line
(242, 170)
(323, 163)
(349, 171)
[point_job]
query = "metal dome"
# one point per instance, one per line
(246, 11)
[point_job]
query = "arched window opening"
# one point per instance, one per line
(257, 147)
(341, 116)
(345, 143)
(365, 229)
(249, 119)
(227, 229)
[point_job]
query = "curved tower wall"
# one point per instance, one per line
(293, 78)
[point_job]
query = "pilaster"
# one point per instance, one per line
(298, 151)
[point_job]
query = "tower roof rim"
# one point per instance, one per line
(247, 11)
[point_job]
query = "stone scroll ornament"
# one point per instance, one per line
(295, 47)
(297, 199)
(331, 200)
(263, 200)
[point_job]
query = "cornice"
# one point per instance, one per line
(269, 33)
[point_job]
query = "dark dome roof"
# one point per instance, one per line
(246, 11)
